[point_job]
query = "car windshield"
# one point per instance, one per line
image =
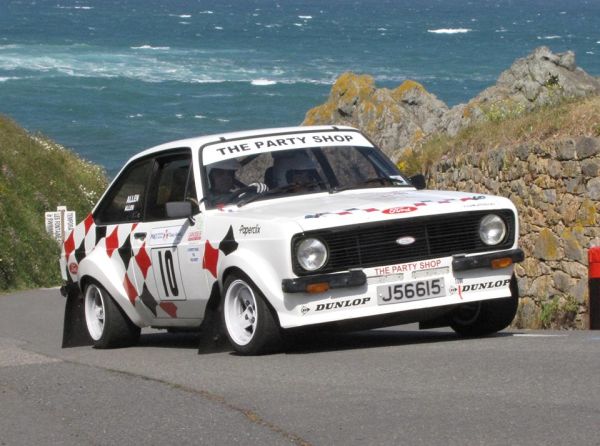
(267, 175)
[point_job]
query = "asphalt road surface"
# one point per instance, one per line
(382, 387)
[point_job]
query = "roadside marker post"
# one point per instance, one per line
(594, 287)
(60, 223)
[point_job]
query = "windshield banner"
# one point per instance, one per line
(234, 149)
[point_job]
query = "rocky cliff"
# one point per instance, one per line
(400, 119)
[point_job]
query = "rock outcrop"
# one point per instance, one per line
(397, 120)
(539, 79)
(394, 119)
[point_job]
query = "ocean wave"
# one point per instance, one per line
(305, 17)
(86, 8)
(150, 47)
(10, 78)
(449, 30)
(147, 63)
(181, 16)
(548, 37)
(262, 82)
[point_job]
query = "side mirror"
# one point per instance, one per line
(179, 209)
(418, 181)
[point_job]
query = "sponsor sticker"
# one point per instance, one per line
(194, 254)
(166, 236)
(342, 304)
(400, 210)
(73, 268)
(194, 236)
(221, 151)
(245, 230)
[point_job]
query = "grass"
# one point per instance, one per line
(571, 118)
(37, 175)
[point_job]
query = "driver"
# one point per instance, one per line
(223, 184)
(221, 177)
(295, 168)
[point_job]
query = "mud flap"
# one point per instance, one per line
(212, 335)
(75, 332)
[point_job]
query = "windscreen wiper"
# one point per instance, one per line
(384, 181)
(279, 189)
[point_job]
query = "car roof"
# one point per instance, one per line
(199, 141)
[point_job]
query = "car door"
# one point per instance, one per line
(168, 251)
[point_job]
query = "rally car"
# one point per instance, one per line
(260, 233)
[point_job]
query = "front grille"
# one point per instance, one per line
(374, 244)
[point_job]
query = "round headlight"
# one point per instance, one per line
(492, 229)
(311, 254)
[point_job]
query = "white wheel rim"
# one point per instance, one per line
(240, 312)
(95, 311)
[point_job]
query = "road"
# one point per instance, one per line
(383, 387)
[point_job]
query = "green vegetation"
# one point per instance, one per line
(508, 125)
(559, 313)
(37, 175)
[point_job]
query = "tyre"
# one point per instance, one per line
(249, 322)
(107, 323)
(487, 317)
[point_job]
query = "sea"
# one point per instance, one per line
(108, 78)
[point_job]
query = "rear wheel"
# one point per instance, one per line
(249, 322)
(487, 317)
(107, 323)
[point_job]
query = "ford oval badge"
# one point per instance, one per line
(405, 241)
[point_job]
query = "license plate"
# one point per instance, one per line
(408, 292)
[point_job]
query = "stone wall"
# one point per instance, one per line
(556, 188)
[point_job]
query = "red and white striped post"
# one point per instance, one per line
(594, 286)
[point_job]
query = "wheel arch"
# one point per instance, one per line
(91, 272)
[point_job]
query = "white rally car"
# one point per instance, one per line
(261, 232)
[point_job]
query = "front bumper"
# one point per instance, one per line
(355, 294)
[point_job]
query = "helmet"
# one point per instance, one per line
(230, 164)
(286, 164)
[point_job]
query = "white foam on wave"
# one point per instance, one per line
(206, 12)
(199, 117)
(150, 47)
(449, 30)
(9, 78)
(222, 120)
(262, 82)
(548, 37)
(305, 17)
(86, 8)
(298, 24)
(218, 28)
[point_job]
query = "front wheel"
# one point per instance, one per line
(487, 317)
(249, 322)
(107, 323)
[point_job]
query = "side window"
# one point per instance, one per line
(172, 181)
(125, 201)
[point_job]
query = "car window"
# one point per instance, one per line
(348, 166)
(125, 200)
(172, 181)
(274, 174)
